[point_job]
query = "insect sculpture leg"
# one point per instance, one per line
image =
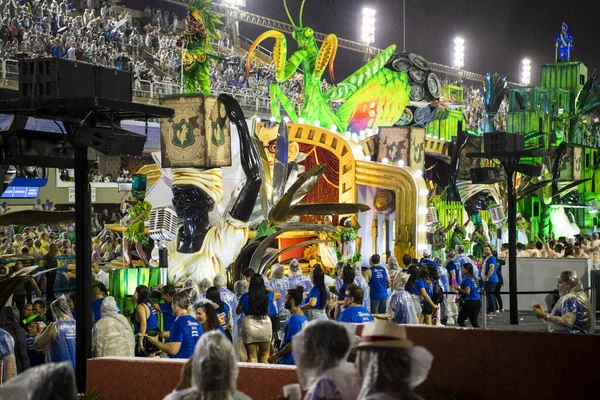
(353, 82)
(277, 97)
(326, 56)
(283, 70)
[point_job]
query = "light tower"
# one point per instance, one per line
(526, 72)
(459, 52)
(367, 31)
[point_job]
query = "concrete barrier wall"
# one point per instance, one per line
(488, 364)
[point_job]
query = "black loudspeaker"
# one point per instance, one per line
(54, 78)
(113, 84)
(503, 141)
(112, 141)
(487, 175)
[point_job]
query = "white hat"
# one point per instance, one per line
(384, 334)
(426, 253)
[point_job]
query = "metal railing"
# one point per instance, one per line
(592, 293)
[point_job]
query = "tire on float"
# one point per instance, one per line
(418, 61)
(433, 87)
(417, 92)
(399, 63)
(407, 118)
(417, 75)
(422, 116)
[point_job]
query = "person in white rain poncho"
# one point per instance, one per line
(400, 307)
(388, 363)
(112, 334)
(44, 382)
(572, 311)
(320, 351)
(280, 283)
(211, 373)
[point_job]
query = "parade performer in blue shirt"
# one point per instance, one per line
(166, 294)
(490, 279)
(293, 325)
(379, 281)
(315, 304)
(470, 294)
(185, 331)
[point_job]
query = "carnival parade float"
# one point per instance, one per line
(386, 161)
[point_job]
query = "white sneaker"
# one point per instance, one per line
(450, 321)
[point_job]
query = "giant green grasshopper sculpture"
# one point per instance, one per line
(373, 96)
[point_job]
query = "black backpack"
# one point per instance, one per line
(438, 293)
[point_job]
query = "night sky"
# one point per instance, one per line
(498, 34)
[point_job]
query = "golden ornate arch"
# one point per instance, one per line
(409, 187)
(411, 202)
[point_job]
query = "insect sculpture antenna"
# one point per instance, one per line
(301, 13)
(289, 15)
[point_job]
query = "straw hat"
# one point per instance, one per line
(384, 334)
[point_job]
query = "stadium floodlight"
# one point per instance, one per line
(526, 72)
(459, 52)
(235, 3)
(367, 34)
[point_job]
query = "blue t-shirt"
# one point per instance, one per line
(491, 260)
(187, 331)
(378, 283)
(425, 261)
(167, 314)
(245, 302)
(421, 284)
(314, 293)
(453, 266)
(292, 326)
(355, 314)
(474, 295)
(96, 305)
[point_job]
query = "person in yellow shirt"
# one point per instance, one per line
(28, 244)
(18, 243)
(45, 242)
(39, 230)
(38, 249)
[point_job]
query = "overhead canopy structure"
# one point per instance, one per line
(33, 217)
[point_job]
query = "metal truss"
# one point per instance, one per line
(255, 19)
